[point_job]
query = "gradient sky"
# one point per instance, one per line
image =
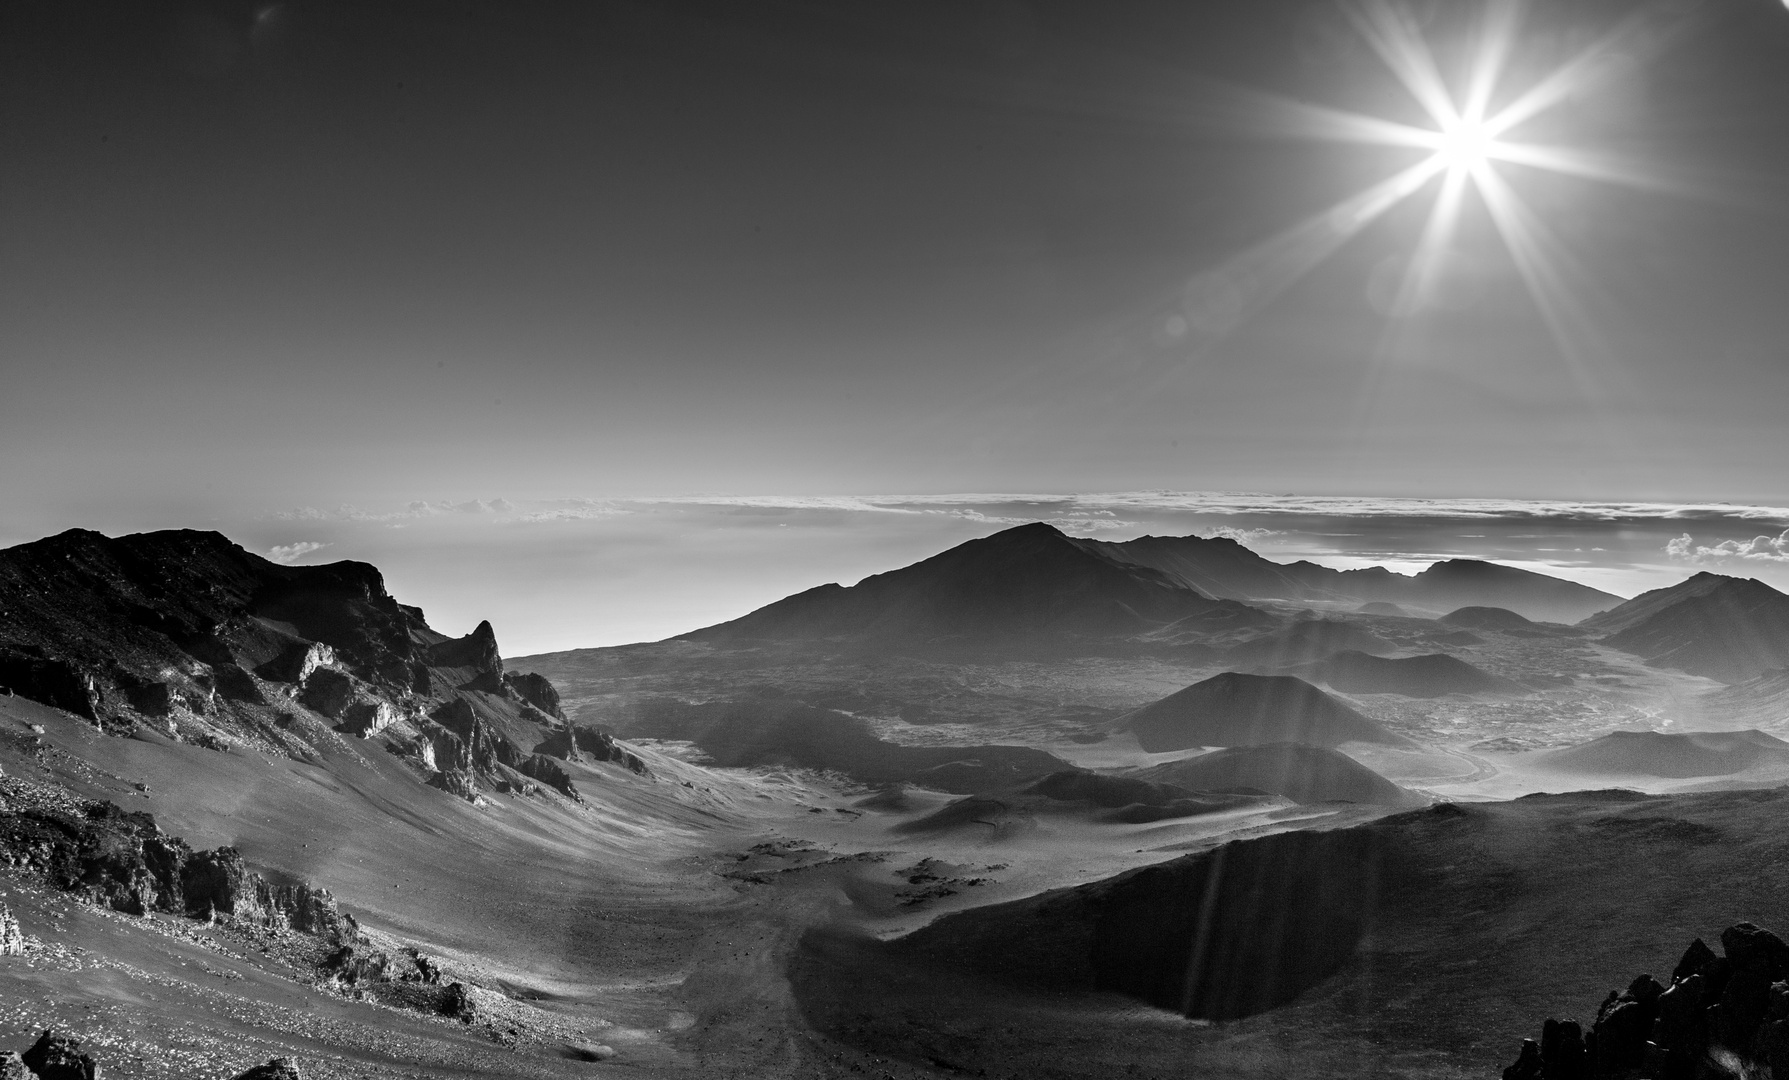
(257, 257)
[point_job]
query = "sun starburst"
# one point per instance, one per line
(1474, 151)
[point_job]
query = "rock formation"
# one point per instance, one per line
(59, 1057)
(1721, 1016)
(190, 634)
(124, 861)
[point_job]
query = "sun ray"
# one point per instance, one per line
(1400, 45)
(1639, 37)
(1497, 36)
(1418, 288)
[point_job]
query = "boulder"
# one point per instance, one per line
(602, 746)
(298, 662)
(1755, 949)
(457, 782)
(457, 1003)
(59, 1057)
(560, 743)
(328, 691)
(236, 684)
(367, 717)
(1528, 1063)
(279, 1068)
(1694, 959)
(13, 1067)
(1563, 1053)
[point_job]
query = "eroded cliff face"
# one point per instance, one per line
(188, 634)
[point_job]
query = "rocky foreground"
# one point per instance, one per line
(1720, 1017)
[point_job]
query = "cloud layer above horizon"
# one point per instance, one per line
(573, 572)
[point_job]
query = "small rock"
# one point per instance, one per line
(455, 1002)
(279, 1068)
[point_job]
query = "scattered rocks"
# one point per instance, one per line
(12, 939)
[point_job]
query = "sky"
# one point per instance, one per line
(258, 259)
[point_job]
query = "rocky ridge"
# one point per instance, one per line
(189, 635)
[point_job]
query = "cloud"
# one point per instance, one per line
(291, 553)
(1243, 536)
(1758, 549)
(418, 508)
(573, 513)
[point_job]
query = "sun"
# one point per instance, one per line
(1465, 146)
(1472, 157)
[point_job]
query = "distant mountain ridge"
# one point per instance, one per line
(1034, 581)
(1725, 628)
(1222, 567)
(1026, 581)
(1676, 755)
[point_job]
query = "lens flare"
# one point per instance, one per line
(1473, 144)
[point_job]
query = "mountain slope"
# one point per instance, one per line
(1022, 583)
(1306, 641)
(1233, 709)
(1725, 628)
(1411, 676)
(1305, 774)
(1677, 755)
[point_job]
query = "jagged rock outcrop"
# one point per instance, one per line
(1722, 1016)
(13, 1067)
(328, 692)
(219, 883)
(550, 773)
(576, 741)
(207, 643)
(124, 861)
(536, 690)
(58, 1057)
(477, 653)
(485, 747)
